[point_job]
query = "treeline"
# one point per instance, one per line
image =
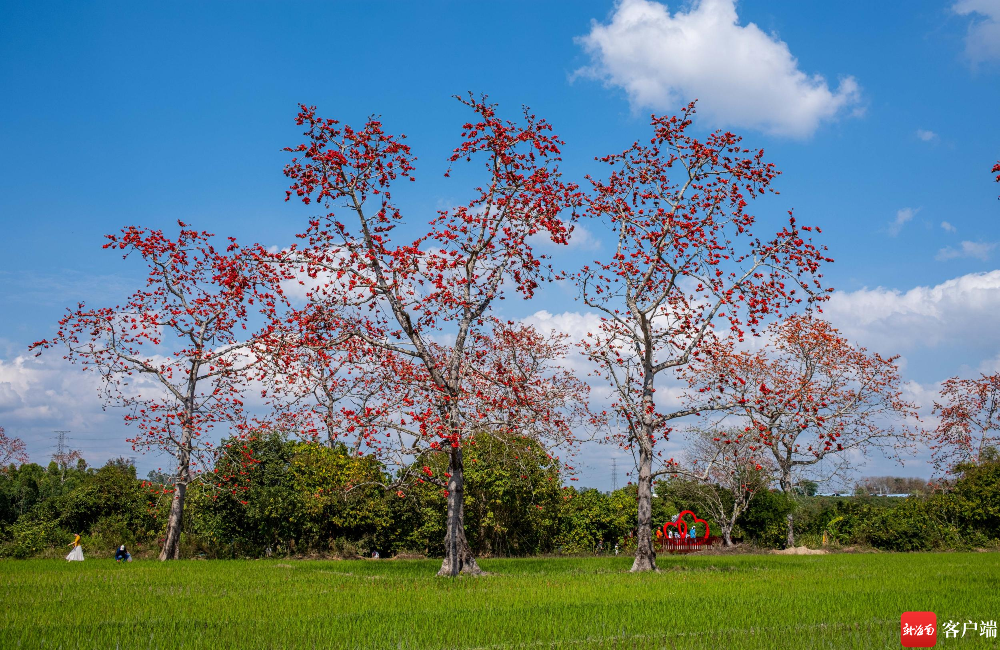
(962, 514)
(883, 485)
(305, 499)
(273, 495)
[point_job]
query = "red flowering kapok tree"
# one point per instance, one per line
(969, 428)
(685, 258)
(12, 450)
(810, 396)
(177, 354)
(426, 302)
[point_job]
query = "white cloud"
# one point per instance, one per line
(978, 250)
(982, 41)
(741, 76)
(989, 366)
(960, 310)
(902, 217)
(574, 323)
(923, 395)
(9, 398)
(46, 390)
(39, 395)
(670, 393)
(947, 226)
(577, 325)
(926, 136)
(581, 239)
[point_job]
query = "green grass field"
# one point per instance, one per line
(744, 601)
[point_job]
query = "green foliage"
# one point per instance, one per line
(966, 516)
(912, 525)
(764, 521)
(110, 503)
(342, 495)
(41, 507)
(974, 502)
(20, 490)
(29, 537)
(592, 520)
(291, 497)
(513, 497)
(807, 488)
(297, 498)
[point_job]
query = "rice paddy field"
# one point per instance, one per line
(739, 601)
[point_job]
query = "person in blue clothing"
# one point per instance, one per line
(693, 534)
(122, 554)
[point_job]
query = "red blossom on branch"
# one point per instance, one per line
(969, 427)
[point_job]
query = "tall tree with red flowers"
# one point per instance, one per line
(810, 398)
(686, 257)
(177, 355)
(969, 427)
(12, 450)
(426, 303)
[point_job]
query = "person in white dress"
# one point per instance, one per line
(75, 555)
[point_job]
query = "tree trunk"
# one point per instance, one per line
(786, 487)
(645, 554)
(728, 526)
(458, 556)
(171, 546)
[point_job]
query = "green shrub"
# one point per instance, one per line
(764, 521)
(28, 538)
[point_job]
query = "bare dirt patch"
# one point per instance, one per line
(800, 550)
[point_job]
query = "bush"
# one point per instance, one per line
(974, 502)
(909, 526)
(112, 531)
(29, 537)
(764, 522)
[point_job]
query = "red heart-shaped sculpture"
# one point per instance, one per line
(681, 525)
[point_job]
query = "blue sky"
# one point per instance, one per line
(882, 117)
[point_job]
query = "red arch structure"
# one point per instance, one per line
(682, 543)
